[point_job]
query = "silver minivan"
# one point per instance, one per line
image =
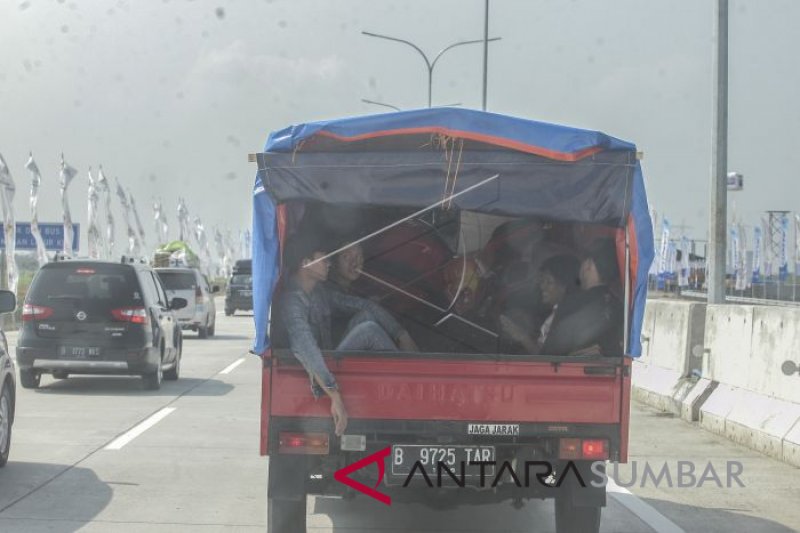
(189, 283)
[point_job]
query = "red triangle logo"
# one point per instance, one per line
(342, 475)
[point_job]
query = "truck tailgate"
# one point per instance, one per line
(397, 387)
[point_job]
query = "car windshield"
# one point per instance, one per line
(242, 279)
(177, 281)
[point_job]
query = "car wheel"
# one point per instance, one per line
(153, 380)
(202, 332)
(174, 373)
(60, 374)
(229, 312)
(212, 329)
(5, 425)
(29, 379)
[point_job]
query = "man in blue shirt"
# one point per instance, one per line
(305, 309)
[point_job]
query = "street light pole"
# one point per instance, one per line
(485, 51)
(430, 65)
(719, 162)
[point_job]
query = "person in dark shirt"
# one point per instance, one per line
(589, 322)
(558, 279)
(304, 310)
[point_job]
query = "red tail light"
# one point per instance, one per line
(135, 315)
(36, 312)
(595, 449)
(304, 443)
(198, 295)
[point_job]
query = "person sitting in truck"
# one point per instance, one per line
(558, 279)
(589, 321)
(305, 309)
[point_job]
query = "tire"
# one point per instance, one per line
(5, 424)
(60, 374)
(153, 380)
(229, 312)
(286, 516)
(29, 379)
(202, 332)
(175, 372)
(573, 519)
(286, 494)
(212, 329)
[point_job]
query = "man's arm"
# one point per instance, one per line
(302, 342)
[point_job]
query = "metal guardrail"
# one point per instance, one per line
(743, 299)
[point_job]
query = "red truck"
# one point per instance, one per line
(456, 210)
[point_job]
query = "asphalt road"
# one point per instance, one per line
(194, 465)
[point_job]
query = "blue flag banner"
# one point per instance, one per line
(52, 235)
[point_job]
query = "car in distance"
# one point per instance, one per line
(200, 314)
(7, 382)
(239, 294)
(99, 317)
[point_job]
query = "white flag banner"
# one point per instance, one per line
(185, 232)
(757, 254)
(66, 176)
(734, 255)
(94, 239)
(768, 259)
(202, 243)
(783, 260)
(796, 244)
(664, 253)
(741, 264)
(222, 254)
(162, 228)
(683, 278)
(136, 218)
(133, 240)
(36, 181)
(8, 190)
(105, 189)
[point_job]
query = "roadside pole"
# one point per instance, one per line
(718, 221)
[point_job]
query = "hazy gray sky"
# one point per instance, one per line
(171, 95)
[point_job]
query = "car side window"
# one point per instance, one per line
(149, 293)
(162, 296)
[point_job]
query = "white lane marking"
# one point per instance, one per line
(651, 517)
(228, 369)
(125, 438)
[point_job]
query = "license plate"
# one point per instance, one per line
(79, 352)
(405, 456)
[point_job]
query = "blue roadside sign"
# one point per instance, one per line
(52, 235)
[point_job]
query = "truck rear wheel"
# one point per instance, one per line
(286, 494)
(572, 518)
(286, 516)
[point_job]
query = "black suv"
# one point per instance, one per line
(7, 382)
(239, 294)
(99, 317)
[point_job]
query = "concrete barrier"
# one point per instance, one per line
(672, 337)
(720, 365)
(749, 400)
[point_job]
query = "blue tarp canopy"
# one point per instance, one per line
(402, 159)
